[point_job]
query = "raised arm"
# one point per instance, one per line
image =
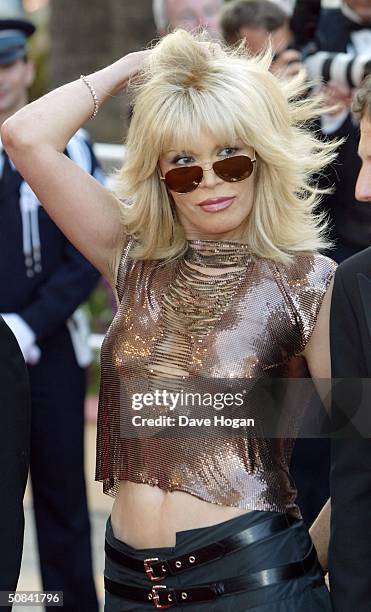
(35, 138)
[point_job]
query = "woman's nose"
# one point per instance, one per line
(209, 178)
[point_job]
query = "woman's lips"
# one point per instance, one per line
(215, 204)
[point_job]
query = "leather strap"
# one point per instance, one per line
(163, 597)
(157, 569)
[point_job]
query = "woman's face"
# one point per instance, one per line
(216, 209)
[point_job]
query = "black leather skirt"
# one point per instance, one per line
(289, 545)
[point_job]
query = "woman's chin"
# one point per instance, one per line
(217, 231)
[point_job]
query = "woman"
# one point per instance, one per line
(217, 275)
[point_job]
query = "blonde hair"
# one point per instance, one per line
(189, 86)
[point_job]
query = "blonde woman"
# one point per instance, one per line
(214, 259)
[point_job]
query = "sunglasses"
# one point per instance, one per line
(188, 178)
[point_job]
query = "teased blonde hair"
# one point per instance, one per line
(189, 87)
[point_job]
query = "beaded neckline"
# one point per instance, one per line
(217, 252)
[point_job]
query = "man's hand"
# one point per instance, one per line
(338, 96)
(288, 63)
(25, 337)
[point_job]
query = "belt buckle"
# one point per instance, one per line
(149, 569)
(155, 596)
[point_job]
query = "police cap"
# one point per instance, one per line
(13, 38)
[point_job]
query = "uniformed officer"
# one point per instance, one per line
(43, 281)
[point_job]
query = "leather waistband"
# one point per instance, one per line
(158, 569)
(162, 596)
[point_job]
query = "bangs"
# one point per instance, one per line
(185, 117)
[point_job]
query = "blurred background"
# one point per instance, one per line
(79, 36)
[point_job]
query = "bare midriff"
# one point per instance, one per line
(148, 517)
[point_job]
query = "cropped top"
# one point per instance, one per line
(216, 316)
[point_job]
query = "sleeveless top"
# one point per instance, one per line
(206, 322)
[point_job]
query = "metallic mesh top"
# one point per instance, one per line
(206, 322)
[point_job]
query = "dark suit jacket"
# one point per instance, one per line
(14, 455)
(350, 480)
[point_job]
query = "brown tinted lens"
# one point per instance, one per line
(184, 180)
(233, 169)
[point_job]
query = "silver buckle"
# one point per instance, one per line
(149, 569)
(155, 597)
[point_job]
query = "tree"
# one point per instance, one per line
(89, 34)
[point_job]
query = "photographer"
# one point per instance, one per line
(335, 43)
(259, 22)
(343, 57)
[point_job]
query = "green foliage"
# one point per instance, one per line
(100, 308)
(38, 51)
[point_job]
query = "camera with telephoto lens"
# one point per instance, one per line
(346, 69)
(343, 68)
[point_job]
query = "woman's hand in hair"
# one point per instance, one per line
(134, 62)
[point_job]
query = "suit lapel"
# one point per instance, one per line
(364, 284)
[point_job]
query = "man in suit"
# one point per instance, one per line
(15, 421)
(350, 543)
(44, 279)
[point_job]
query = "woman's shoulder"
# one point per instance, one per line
(308, 270)
(306, 280)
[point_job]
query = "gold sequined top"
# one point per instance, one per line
(205, 323)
